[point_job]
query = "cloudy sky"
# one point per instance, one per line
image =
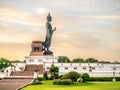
(85, 28)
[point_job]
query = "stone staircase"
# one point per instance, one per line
(22, 73)
(29, 70)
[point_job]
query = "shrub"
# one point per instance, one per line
(45, 76)
(52, 77)
(117, 78)
(36, 83)
(85, 76)
(62, 82)
(55, 76)
(64, 76)
(40, 78)
(60, 76)
(73, 75)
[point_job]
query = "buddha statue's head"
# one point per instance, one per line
(49, 18)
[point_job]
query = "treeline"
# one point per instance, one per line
(17, 61)
(65, 59)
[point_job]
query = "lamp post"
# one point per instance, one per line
(114, 75)
(36, 76)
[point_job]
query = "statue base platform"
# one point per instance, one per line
(41, 59)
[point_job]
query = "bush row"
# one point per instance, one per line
(48, 78)
(70, 75)
(62, 82)
(74, 76)
(36, 83)
(102, 79)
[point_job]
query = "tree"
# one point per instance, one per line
(54, 71)
(116, 62)
(64, 59)
(78, 60)
(4, 63)
(104, 61)
(93, 60)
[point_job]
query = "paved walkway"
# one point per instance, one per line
(13, 84)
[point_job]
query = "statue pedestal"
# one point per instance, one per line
(36, 47)
(38, 56)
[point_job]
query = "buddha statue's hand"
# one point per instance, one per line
(54, 29)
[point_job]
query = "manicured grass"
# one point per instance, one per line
(47, 85)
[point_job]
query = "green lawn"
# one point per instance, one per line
(47, 85)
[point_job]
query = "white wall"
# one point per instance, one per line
(99, 68)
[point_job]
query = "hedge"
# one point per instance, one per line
(62, 82)
(102, 79)
(36, 83)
